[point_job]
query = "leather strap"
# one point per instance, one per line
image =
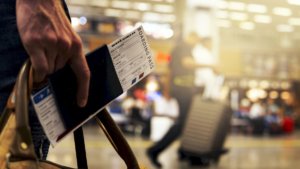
(117, 139)
(80, 149)
(22, 146)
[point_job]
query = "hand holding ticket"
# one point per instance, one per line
(114, 69)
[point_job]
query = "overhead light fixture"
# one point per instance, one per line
(102, 3)
(252, 83)
(222, 14)
(168, 18)
(238, 6)
(163, 8)
(262, 19)
(238, 16)
(247, 25)
(121, 4)
(282, 11)
(157, 30)
(151, 17)
(264, 84)
(294, 2)
(285, 95)
(222, 4)
(75, 22)
(113, 12)
(224, 23)
(78, 2)
(285, 28)
(82, 20)
(294, 21)
(132, 14)
(142, 6)
(274, 94)
(257, 8)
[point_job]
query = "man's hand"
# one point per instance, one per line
(50, 41)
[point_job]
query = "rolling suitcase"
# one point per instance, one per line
(205, 130)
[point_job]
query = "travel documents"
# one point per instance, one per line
(115, 68)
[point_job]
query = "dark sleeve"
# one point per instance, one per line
(66, 9)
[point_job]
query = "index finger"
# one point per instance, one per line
(82, 73)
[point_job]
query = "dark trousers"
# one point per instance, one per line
(184, 97)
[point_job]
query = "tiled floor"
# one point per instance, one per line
(246, 152)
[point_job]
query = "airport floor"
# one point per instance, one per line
(245, 152)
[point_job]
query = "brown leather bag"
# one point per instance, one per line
(16, 147)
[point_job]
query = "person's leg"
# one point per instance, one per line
(172, 134)
(154, 151)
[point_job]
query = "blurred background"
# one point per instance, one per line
(251, 46)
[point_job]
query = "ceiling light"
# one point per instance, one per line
(164, 8)
(247, 25)
(82, 20)
(142, 6)
(285, 28)
(282, 11)
(285, 95)
(222, 14)
(121, 4)
(224, 23)
(151, 16)
(264, 84)
(158, 31)
(102, 3)
(294, 21)
(168, 18)
(257, 8)
(78, 2)
(238, 16)
(132, 14)
(113, 12)
(262, 19)
(222, 4)
(239, 6)
(294, 2)
(75, 22)
(274, 94)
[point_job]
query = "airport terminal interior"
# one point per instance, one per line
(244, 67)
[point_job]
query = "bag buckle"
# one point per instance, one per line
(7, 156)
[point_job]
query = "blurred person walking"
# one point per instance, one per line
(182, 89)
(41, 31)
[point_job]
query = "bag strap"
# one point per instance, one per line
(80, 149)
(22, 145)
(117, 139)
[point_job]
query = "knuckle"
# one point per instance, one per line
(50, 39)
(33, 39)
(64, 43)
(77, 43)
(41, 68)
(86, 74)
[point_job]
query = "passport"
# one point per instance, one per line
(114, 68)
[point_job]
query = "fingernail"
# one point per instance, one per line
(82, 102)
